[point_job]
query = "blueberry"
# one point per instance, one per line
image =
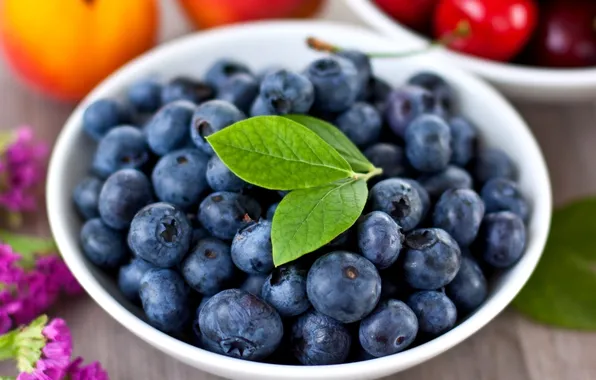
(379, 239)
(377, 93)
(238, 324)
(221, 178)
(363, 67)
(129, 277)
(424, 196)
(388, 157)
(344, 286)
(211, 117)
(86, 197)
(443, 93)
(435, 311)
(122, 147)
(122, 195)
(102, 245)
(187, 89)
(493, 163)
(251, 248)
(428, 143)
(285, 290)
(179, 177)
(399, 199)
(259, 107)
(208, 267)
(202, 304)
(361, 123)
(164, 297)
(464, 140)
(145, 95)
(317, 339)
(198, 233)
(222, 70)
(271, 211)
(160, 234)
(501, 194)
(431, 258)
(450, 178)
(286, 92)
(254, 284)
(459, 212)
(336, 83)
(389, 329)
(167, 130)
(469, 288)
(502, 239)
(102, 115)
(405, 104)
(224, 213)
(240, 90)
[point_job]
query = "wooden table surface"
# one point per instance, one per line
(509, 348)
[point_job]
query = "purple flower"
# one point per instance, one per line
(92, 371)
(54, 267)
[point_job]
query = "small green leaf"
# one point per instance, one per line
(277, 153)
(334, 137)
(28, 344)
(305, 220)
(28, 246)
(7, 350)
(562, 289)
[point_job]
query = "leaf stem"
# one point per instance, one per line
(373, 172)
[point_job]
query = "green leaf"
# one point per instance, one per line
(562, 289)
(305, 220)
(28, 246)
(334, 137)
(277, 153)
(7, 345)
(28, 344)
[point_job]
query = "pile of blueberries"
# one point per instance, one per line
(191, 242)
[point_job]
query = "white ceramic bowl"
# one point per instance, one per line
(517, 81)
(261, 45)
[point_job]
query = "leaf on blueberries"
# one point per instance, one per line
(277, 153)
(305, 220)
(336, 138)
(562, 289)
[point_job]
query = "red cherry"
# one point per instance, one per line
(416, 14)
(499, 29)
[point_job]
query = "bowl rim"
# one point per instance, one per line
(219, 364)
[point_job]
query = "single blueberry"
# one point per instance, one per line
(501, 194)
(450, 178)
(211, 117)
(377, 93)
(435, 311)
(424, 196)
(285, 290)
(122, 195)
(441, 90)
(102, 115)
(254, 284)
(102, 245)
(271, 211)
(428, 143)
(240, 90)
(251, 248)
(202, 304)
(208, 267)
(389, 157)
(121, 148)
(363, 68)
(459, 212)
(405, 104)
(223, 69)
(361, 123)
(493, 163)
(129, 277)
(224, 213)
(145, 95)
(317, 339)
(164, 297)
(399, 199)
(86, 197)
(431, 258)
(344, 286)
(286, 92)
(220, 177)
(502, 239)
(336, 83)
(469, 288)
(389, 329)
(464, 140)
(187, 89)
(238, 324)
(379, 239)
(160, 234)
(259, 107)
(167, 130)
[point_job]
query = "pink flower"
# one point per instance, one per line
(36, 293)
(59, 273)
(92, 371)
(9, 273)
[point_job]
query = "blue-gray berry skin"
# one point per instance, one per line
(164, 297)
(389, 157)
(186, 89)
(379, 239)
(493, 163)
(198, 233)
(222, 69)
(103, 115)
(103, 246)
(160, 234)
(431, 258)
(428, 143)
(441, 90)
(86, 197)
(179, 177)
(464, 141)
(285, 290)
(208, 267)
(361, 123)
(145, 95)
(202, 304)
(286, 92)
(459, 212)
(435, 311)
(377, 93)
(129, 277)
(251, 248)
(224, 213)
(389, 329)
(260, 107)
(502, 239)
(254, 284)
(239, 89)
(317, 339)
(336, 83)
(238, 324)
(502, 194)
(344, 286)
(220, 177)
(211, 117)
(123, 194)
(452, 177)
(400, 200)
(405, 104)
(167, 130)
(363, 67)
(469, 288)
(271, 211)
(424, 196)
(123, 147)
